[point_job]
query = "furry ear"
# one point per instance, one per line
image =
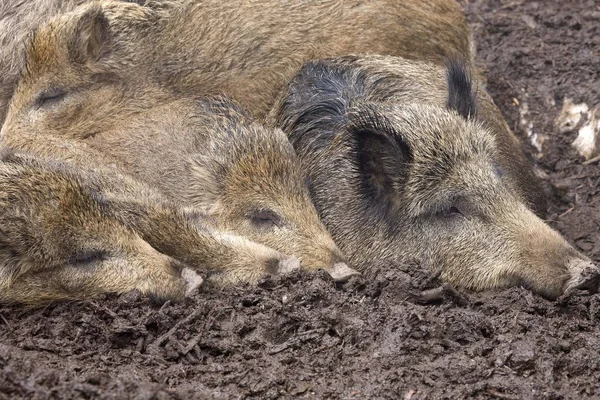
(382, 157)
(204, 188)
(91, 37)
(462, 97)
(316, 103)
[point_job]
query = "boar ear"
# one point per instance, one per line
(204, 187)
(462, 97)
(316, 103)
(91, 38)
(382, 158)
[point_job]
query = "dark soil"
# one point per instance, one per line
(303, 336)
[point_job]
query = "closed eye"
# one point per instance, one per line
(451, 212)
(264, 218)
(90, 255)
(49, 97)
(454, 211)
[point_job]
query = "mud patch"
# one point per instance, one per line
(305, 336)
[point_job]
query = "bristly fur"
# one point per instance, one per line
(69, 233)
(410, 171)
(17, 20)
(258, 38)
(462, 96)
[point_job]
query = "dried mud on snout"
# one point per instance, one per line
(302, 336)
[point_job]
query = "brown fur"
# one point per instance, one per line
(208, 154)
(246, 49)
(60, 242)
(18, 19)
(256, 179)
(425, 166)
(76, 232)
(92, 69)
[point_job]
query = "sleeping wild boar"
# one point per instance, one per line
(410, 160)
(69, 233)
(102, 55)
(210, 155)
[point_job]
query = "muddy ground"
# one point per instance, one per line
(301, 336)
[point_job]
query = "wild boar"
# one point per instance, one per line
(67, 233)
(98, 57)
(409, 160)
(278, 225)
(17, 20)
(210, 155)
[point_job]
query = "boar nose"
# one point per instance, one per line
(281, 266)
(288, 265)
(338, 269)
(193, 281)
(340, 272)
(584, 276)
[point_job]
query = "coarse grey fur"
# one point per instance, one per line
(411, 160)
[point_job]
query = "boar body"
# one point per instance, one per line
(90, 70)
(210, 155)
(195, 179)
(422, 161)
(106, 94)
(70, 234)
(247, 50)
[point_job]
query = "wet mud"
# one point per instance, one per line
(397, 335)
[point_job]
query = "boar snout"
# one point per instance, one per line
(584, 276)
(334, 264)
(284, 266)
(340, 272)
(553, 268)
(192, 279)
